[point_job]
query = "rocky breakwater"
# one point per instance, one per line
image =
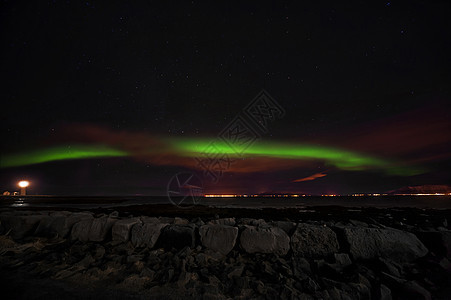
(223, 258)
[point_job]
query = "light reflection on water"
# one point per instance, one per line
(20, 203)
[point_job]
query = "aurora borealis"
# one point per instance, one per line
(342, 159)
(117, 98)
(59, 153)
(182, 147)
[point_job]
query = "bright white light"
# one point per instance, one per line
(24, 183)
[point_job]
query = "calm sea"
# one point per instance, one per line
(437, 202)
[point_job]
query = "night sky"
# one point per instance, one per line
(115, 99)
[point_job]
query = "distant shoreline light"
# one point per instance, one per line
(251, 195)
(324, 195)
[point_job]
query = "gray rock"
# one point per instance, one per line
(304, 296)
(412, 290)
(85, 262)
(246, 221)
(198, 222)
(184, 278)
(310, 285)
(286, 226)
(94, 230)
(121, 229)
(397, 245)
(362, 290)
(178, 236)
(358, 223)
(391, 280)
(45, 227)
(301, 266)
(220, 238)
(266, 268)
(145, 219)
(201, 259)
(438, 242)
(342, 261)
(99, 252)
(224, 221)
(265, 240)
(390, 267)
(80, 230)
(445, 264)
(114, 214)
(185, 252)
(63, 221)
(134, 258)
(259, 222)
(146, 235)
(166, 220)
(385, 293)
(236, 272)
(363, 280)
(21, 225)
(180, 221)
(313, 241)
(100, 228)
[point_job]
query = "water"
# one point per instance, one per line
(437, 202)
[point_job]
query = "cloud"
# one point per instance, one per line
(312, 177)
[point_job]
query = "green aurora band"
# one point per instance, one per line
(342, 159)
(339, 158)
(59, 153)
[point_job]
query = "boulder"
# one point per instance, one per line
(145, 219)
(390, 267)
(385, 293)
(412, 290)
(146, 235)
(178, 236)
(251, 222)
(342, 261)
(100, 228)
(94, 230)
(44, 227)
(224, 221)
(300, 266)
(314, 241)
(121, 229)
(394, 244)
(220, 238)
(438, 242)
(180, 221)
(236, 271)
(265, 240)
(80, 230)
(286, 226)
(60, 223)
(21, 225)
(259, 222)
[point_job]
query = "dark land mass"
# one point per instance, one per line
(423, 189)
(38, 265)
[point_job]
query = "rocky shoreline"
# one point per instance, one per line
(307, 254)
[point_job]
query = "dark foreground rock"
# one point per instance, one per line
(314, 241)
(265, 240)
(220, 238)
(397, 245)
(438, 242)
(146, 234)
(80, 255)
(178, 236)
